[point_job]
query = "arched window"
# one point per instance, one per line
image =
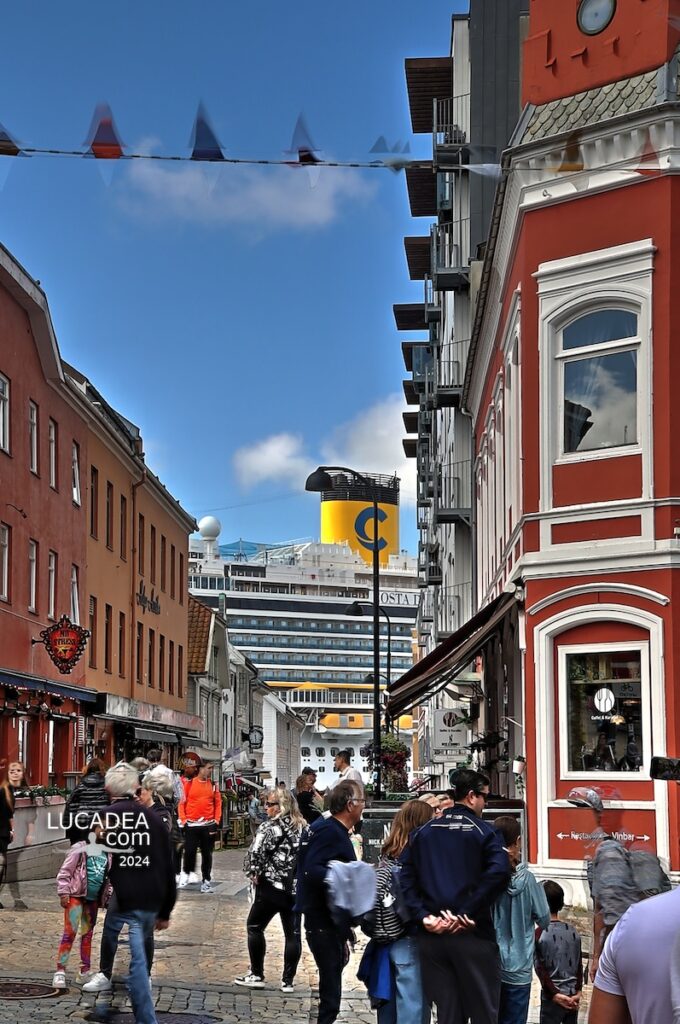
(598, 356)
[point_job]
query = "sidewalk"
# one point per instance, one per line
(196, 962)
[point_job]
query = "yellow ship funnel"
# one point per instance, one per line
(348, 516)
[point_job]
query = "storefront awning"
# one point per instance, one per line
(445, 661)
(81, 693)
(156, 736)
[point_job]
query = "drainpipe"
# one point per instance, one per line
(133, 559)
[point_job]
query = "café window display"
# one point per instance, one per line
(606, 710)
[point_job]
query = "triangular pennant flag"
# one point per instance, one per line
(572, 158)
(650, 164)
(204, 143)
(302, 145)
(396, 148)
(103, 140)
(8, 146)
(380, 145)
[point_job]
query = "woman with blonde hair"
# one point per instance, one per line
(6, 821)
(271, 864)
(305, 795)
(407, 1003)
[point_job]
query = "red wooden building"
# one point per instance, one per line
(43, 452)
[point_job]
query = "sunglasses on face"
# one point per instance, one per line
(272, 803)
(484, 796)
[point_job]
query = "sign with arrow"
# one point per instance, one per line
(574, 832)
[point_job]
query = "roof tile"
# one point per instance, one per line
(199, 635)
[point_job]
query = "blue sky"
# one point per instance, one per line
(244, 321)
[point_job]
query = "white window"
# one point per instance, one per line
(75, 600)
(4, 414)
(33, 436)
(51, 583)
(75, 473)
(32, 574)
(598, 357)
(604, 710)
(52, 442)
(5, 540)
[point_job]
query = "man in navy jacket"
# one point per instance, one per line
(453, 869)
(326, 840)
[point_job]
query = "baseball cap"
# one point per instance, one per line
(583, 796)
(191, 760)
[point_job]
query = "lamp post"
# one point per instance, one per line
(321, 480)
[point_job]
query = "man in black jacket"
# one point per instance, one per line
(142, 876)
(325, 840)
(453, 869)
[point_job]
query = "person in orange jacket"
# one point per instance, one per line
(200, 815)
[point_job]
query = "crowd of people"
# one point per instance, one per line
(456, 921)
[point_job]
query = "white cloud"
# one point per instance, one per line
(280, 457)
(267, 198)
(370, 442)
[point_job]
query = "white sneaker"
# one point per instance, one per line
(59, 979)
(98, 983)
(84, 977)
(207, 886)
(250, 981)
(192, 878)
(286, 987)
(182, 880)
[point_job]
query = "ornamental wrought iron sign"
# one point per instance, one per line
(65, 642)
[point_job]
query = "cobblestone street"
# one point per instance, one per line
(195, 964)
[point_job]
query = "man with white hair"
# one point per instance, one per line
(143, 881)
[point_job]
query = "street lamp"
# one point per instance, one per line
(321, 480)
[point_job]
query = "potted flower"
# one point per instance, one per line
(519, 764)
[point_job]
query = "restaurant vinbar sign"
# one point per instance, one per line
(65, 642)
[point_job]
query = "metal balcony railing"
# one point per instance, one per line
(451, 124)
(453, 493)
(422, 358)
(444, 384)
(433, 305)
(425, 608)
(451, 255)
(424, 516)
(452, 608)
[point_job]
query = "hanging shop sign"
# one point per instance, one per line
(64, 642)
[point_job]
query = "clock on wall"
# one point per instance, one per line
(594, 15)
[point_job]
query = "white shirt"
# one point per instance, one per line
(349, 774)
(636, 959)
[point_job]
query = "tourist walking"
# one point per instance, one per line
(394, 937)
(453, 870)
(6, 824)
(271, 864)
(328, 839)
(88, 798)
(143, 880)
(518, 911)
(82, 887)
(200, 816)
(306, 798)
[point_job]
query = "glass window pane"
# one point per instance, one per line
(604, 711)
(600, 402)
(604, 325)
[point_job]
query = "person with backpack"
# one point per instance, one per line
(200, 815)
(391, 929)
(618, 877)
(516, 912)
(271, 864)
(87, 799)
(82, 887)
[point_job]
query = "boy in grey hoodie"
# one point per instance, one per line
(516, 913)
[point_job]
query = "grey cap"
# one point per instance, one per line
(584, 796)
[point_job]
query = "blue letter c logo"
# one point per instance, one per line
(360, 524)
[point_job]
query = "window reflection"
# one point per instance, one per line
(604, 711)
(600, 326)
(600, 402)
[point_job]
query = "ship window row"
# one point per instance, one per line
(399, 647)
(321, 751)
(327, 697)
(318, 626)
(301, 676)
(323, 658)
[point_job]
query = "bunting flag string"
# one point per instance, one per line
(104, 143)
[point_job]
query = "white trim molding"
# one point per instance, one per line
(599, 588)
(544, 636)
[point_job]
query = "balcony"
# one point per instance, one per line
(410, 422)
(417, 248)
(424, 516)
(433, 306)
(433, 566)
(410, 316)
(451, 132)
(421, 184)
(425, 612)
(445, 383)
(450, 255)
(453, 493)
(410, 446)
(452, 609)
(427, 79)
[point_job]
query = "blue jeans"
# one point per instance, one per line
(514, 1004)
(408, 1004)
(140, 930)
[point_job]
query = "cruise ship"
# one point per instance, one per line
(287, 606)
